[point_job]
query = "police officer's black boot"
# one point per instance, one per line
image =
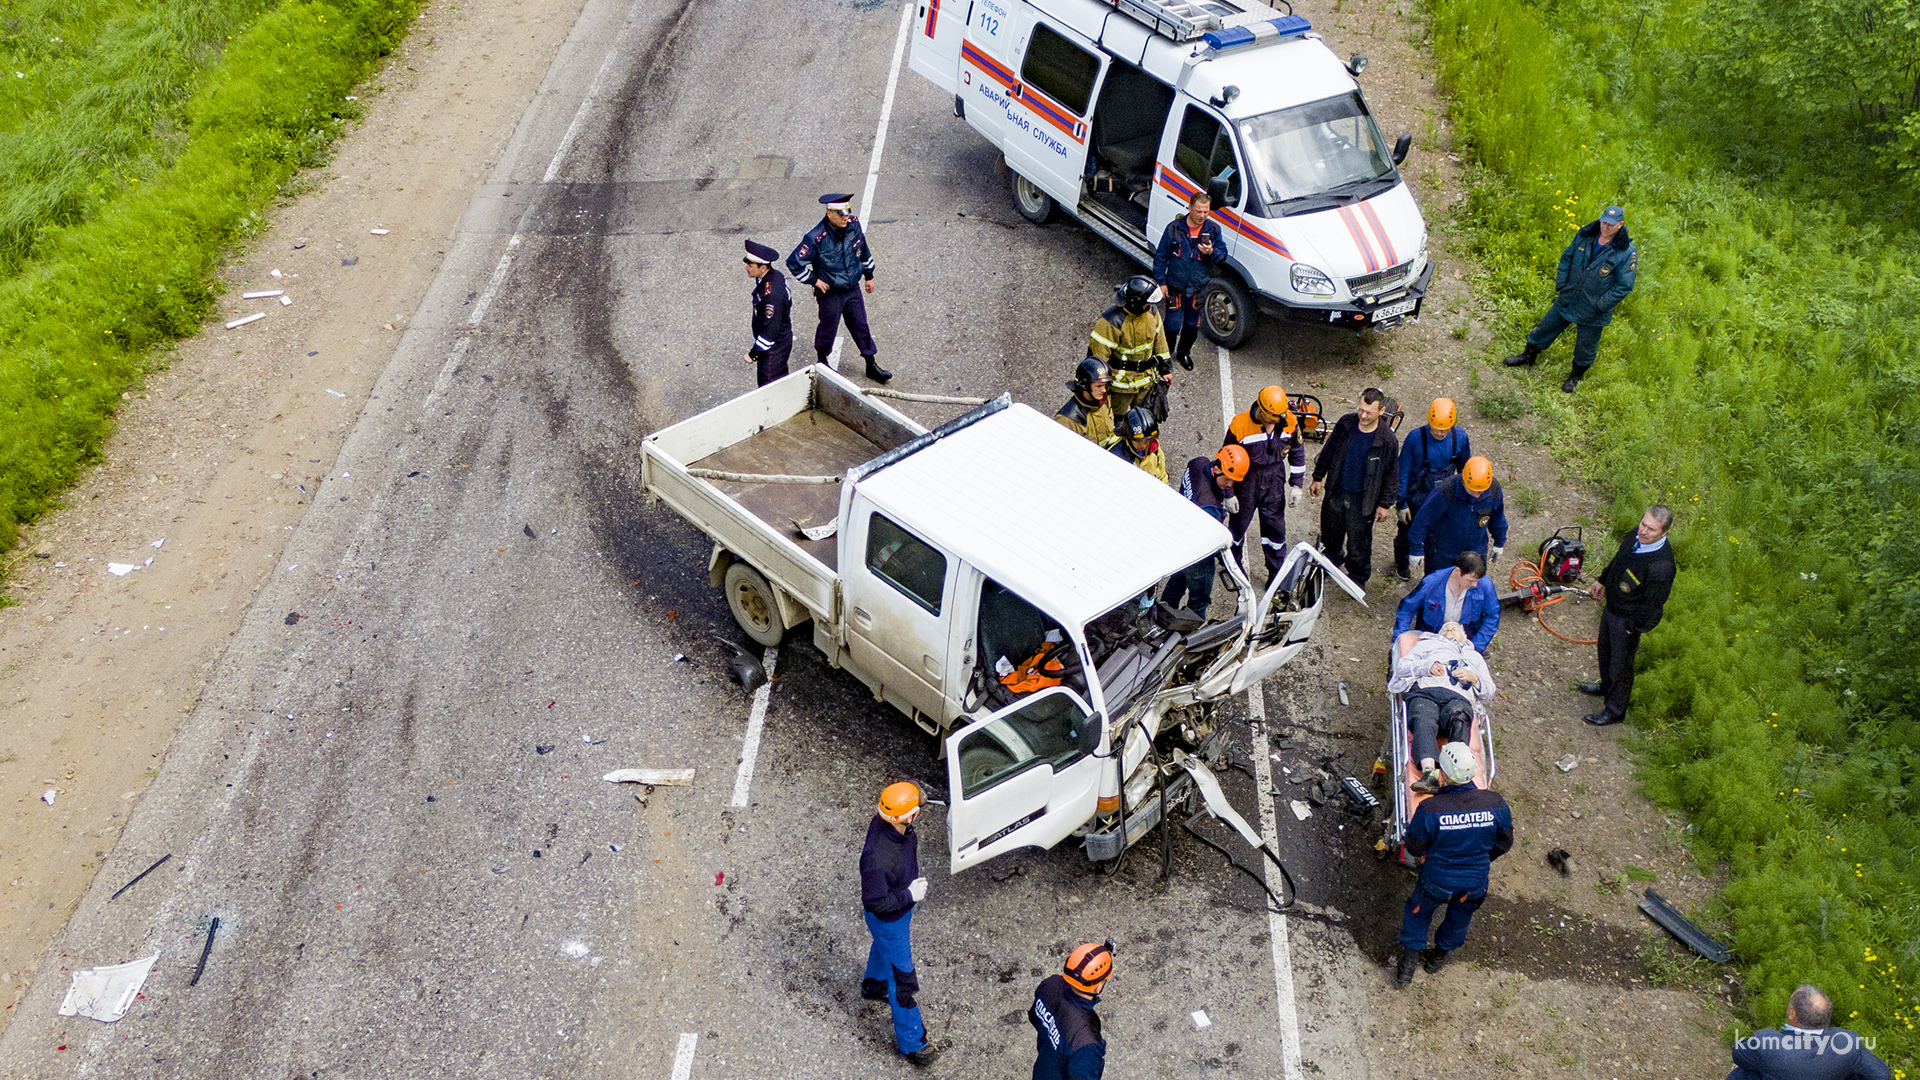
(1433, 959)
(1573, 380)
(875, 371)
(1524, 358)
(1404, 973)
(822, 354)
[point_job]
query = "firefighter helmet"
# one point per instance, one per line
(1139, 291)
(1440, 415)
(899, 802)
(1139, 424)
(1477, 474)
(1091, 370)
(1234, 462)
(1089, 966)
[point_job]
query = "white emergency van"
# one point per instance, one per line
(1118, 111)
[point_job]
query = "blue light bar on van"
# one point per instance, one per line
(1232, 37)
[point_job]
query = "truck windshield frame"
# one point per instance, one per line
(1323, 153)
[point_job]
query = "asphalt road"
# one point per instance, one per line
(408, 883)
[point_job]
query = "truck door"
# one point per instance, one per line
(936, 41)
(1048, 99)
(899, 588)
(1024, 777)
(1287, 613)
(1198, 150)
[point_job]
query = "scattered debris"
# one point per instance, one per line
(122, 569)
(106, 993)
(1300, 810)
(1664, 913)
(743, 667)
(205, 950)
(615, 848)
(292, 618)
(48, 795)
(528, 529)
(1201, 1020)
(576, 949)
(651, 777)
(286, 301)
(245, 319)
(1343, 693)
(1557, 858)
(336, 393)
(156, 544)
(680, 658)
(1566, 764)
(719, 878)
(547, 749)
(275, 272)
(1002, 870)
(379, 232)
(261, 294)
(298, 244)
(350, 262)
(141, 874)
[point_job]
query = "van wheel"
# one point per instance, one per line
(1034, 205)
(1227, 313)
(754, 607)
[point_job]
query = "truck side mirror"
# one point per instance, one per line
(1401, 146)
(1219, 186)
(1090, 733)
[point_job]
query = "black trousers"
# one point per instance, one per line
(1617, 646)
(1432, 712)
(1346, 533)
(774, 364)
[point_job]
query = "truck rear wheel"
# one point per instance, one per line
(1227, 313)
(754, 605)
(1034, 204)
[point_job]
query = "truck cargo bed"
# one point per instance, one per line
(825, 446)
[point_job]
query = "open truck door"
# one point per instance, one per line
(936, 42)
(1287, 613)
(1027, 776)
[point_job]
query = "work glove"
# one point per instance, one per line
(917, 889)
(1417, 567)
(1231, 504)
(1293, 496)
(1493, 554)
(1405, 514)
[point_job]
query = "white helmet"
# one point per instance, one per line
(1457, 762)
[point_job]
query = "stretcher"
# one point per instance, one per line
(1402, 771)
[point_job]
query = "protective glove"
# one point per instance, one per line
(1417, 566)
(1231, 504)
(1405, 515)
(1293, 496)
(917, 889)
(1493, 554)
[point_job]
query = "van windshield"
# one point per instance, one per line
(1324, 153)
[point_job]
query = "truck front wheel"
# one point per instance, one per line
(1227, 313)
(754, 606)
(1034, 204)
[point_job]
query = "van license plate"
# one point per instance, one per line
(1394, 311)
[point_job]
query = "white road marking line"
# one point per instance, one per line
(683, 1057)
(1269, 828)
(879, 145)
(756, 720)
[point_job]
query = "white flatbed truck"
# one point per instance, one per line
(938, 562)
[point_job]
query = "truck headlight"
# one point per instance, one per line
(1310, 281)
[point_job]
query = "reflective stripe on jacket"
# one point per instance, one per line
(1134, 346)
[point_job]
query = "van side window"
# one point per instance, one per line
(1205, 151)
(1060, 69)
(905, 562)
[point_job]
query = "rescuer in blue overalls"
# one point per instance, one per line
(1460, 515)
(1456, 834)
(1069, 1046)
(772, 314)
(1433, 452)
(834, 259)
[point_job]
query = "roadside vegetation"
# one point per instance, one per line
(1761, 380)
(137, 142)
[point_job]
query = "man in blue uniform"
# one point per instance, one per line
(1460, 594)
(834, 259)
(1596, 273)
(890, 887)
(1459, 516)
(1456, 834)
(1431, 453)
(772, 314)
(1183, 264)
(1277, 474)
(1069, 1046)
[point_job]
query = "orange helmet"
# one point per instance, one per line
(1234, 462)
(899, 802)
(1440, 414)
(1273, 402)
(1089, 966)
(1477, 474)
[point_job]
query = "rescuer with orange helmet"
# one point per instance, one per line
(1432, 452)
(890, 887)
(1209, 484)
(1069, 1046)
(1270, 434)
(1461, 514)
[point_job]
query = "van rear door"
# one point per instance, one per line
(1037, 108)
(936, 42)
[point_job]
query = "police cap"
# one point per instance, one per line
(840, 203)
(760, 253)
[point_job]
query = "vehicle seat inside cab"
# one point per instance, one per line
(1127, 122)
(1022, 651)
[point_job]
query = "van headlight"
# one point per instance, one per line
(1310, 281)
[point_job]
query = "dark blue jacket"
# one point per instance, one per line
(772, 314)
(888, 864)
(1829, 1054)
(1425, 608)
(1425, 461)
(838, 257)
(1177, 262)
(1069, 1046)
(1457, 833)
(1591, 281)
(1453, 520)
(1199, 487)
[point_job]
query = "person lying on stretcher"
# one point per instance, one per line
(1437, 676)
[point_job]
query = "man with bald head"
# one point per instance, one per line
(1806, 1047)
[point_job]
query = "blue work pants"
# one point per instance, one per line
(890, 961)
(1586, 339)
(1426, 898)
(1192, 586)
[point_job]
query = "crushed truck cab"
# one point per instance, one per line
(1008, 619)
(1119, 111)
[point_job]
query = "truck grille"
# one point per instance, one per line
(1380, 282)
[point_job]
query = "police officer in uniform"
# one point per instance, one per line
(1596, 273)
(772, 314)
(1130, 339)
(1456, 834)
(1433, 452)
(834, 259)
(1087, 412)
(1271, 437)
(1460, 515)
(1069, 1046)
(1183, 264)
(1139, 443)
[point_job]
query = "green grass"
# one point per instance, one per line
(143, 144)
(1761, 381)
(1502, 405)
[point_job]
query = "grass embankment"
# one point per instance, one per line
(1761, 381)
(138, 141)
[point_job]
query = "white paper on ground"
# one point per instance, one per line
(656, 777)
(49, 795)
(1201, 1020)
(106, 993)
(122, 569)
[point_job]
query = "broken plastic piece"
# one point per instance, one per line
(1567, 763)
(651, 777)
(245, 319)
(106, 993)
(122, 569)
(1300, 809)
(48, 795)
(286, 301)
(378, 232)
(261, 294)
(336, 393)
(1201, 1020)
